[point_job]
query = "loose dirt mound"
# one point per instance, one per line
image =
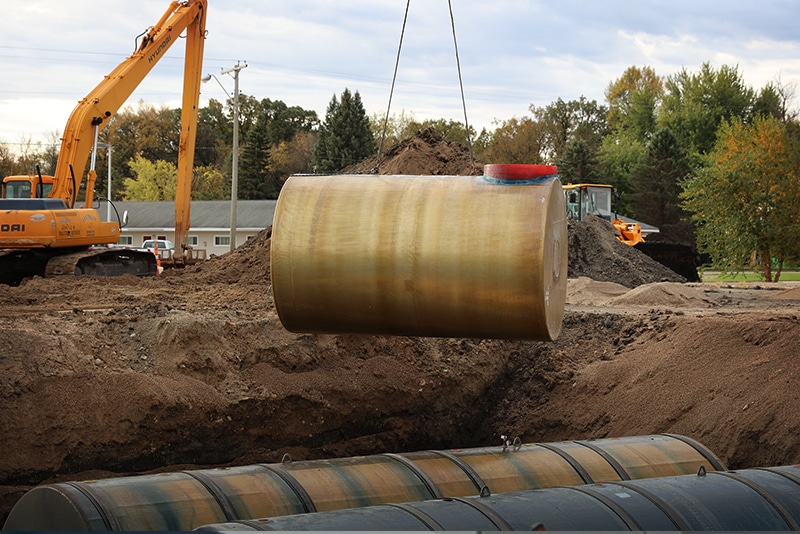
(247, 264)
(595, 252)
(587, 292)
(790, 294)
(664, 294)
(584, 291)
(425, 154)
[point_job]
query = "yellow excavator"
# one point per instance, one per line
(598, 200)
(48, 234)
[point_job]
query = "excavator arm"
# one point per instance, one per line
(103, 102)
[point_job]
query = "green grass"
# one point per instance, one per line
(715, 276)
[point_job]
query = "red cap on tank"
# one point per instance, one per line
(518, 171)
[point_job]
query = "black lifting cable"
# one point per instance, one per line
(461, 86)
(394, 80)
(391, 91)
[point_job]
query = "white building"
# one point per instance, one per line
(210, 222)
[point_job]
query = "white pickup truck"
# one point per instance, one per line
(160, 244)
(166, 253)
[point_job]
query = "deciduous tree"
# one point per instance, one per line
(745, 199)
(516, 140)
(633, 99)
(563, 121)
(694, 105)
(208, 183)
(154, 181)
(292, 157)
(144, 131)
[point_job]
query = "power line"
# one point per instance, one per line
(266, 69)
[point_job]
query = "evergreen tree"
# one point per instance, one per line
(252, 177)
(345, 136)
(656, 187)
(618, 158)
(276, 125)
(578, 163)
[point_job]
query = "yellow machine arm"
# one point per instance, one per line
(103, 102)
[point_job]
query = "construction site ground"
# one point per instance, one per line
(192, 369)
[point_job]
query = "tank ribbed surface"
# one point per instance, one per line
(748, 500)
(189, 499)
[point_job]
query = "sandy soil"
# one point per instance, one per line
(105, 377)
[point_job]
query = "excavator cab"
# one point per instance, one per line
(589, 199)
(27, 186)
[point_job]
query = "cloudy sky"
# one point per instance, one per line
(513, 53)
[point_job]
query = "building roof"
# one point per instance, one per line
(205, 214)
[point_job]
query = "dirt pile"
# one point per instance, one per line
(426, 154)
(595, 252)
(664, 294)
(247, 264)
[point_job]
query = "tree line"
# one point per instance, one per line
(701, 155)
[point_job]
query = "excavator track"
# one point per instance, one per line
(104, 262)
(17, 265)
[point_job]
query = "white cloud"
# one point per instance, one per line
(513, 52)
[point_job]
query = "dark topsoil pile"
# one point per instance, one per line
(102, 377)
(595, 254)
(425, 154)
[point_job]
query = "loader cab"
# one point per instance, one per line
(594, 199)
(27, 186)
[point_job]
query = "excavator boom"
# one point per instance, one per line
(107, 98)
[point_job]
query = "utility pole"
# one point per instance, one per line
(235, 165)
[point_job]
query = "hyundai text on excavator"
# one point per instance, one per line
(598, 200)
(47, 234)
